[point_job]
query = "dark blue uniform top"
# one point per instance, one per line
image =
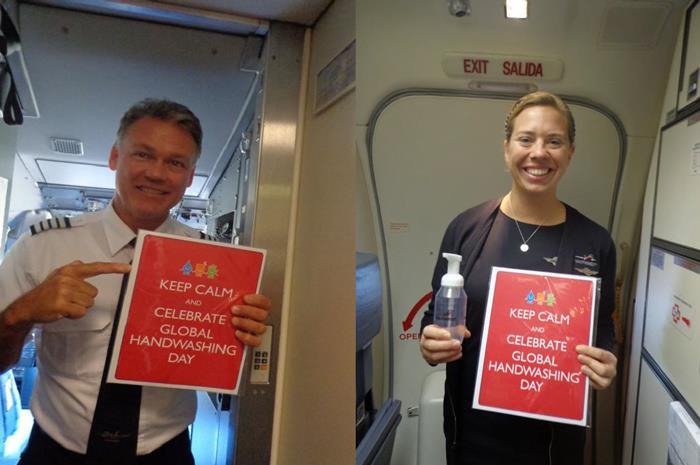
(485, 237)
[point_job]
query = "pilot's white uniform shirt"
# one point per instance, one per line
(71, 353)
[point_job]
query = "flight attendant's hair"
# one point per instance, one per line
(541, 98)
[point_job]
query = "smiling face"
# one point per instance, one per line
(154, 163)
(539, 150)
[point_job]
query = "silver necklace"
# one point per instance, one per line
(524, 247)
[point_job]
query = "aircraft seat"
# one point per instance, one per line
(375, 429)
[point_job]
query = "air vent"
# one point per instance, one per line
(67, 146)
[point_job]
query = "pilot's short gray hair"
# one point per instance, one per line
(165, 110)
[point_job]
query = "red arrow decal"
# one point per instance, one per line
(686, 321)
(408, 322)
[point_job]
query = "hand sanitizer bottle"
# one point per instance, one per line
(451, 300)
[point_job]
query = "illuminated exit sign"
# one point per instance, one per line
(502, 67)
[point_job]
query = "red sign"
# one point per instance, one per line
(528, 363)
(175, 326)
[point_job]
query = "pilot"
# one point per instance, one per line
(66, 278)
(529, 228)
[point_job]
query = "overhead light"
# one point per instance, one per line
(516, 9)
(459, 8)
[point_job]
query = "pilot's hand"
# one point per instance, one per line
(437, 346)
(64, 293)
(249, 318)
(598, 364)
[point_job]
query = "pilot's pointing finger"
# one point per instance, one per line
(87, 270)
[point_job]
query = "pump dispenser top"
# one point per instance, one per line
(452, 278)
(451, 300)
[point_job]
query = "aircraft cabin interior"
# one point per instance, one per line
(342, 137)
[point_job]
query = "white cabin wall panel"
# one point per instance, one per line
(625, 230)
(315, 426)
(642, 264)
(25, 195)
(651, 443)
(639, 304)
(631, 198)
(678, 184)
(672, 338)
(596, 160)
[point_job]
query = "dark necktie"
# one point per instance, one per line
(115, 424)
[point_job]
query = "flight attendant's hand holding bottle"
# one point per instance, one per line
(441, 342)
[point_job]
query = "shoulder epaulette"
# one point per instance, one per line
(51, 223)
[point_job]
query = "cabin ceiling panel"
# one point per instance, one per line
(294, 11)
(633, 25)
(205, 14)
(604, 60)
(87, 69)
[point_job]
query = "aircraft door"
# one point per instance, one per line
(433, 154)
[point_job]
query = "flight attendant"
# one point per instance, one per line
(528, 228)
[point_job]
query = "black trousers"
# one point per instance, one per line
(42, 450)
(565, 447)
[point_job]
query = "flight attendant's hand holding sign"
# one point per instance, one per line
(599, 365)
